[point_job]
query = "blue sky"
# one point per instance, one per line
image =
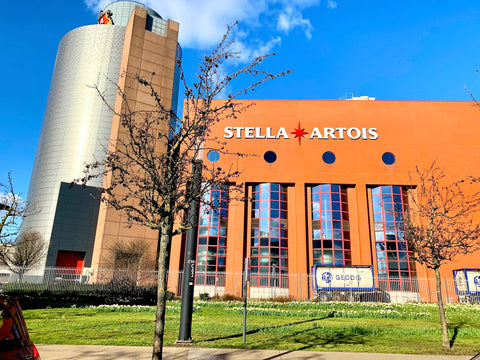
(390, 50)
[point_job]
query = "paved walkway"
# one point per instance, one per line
(87, 352)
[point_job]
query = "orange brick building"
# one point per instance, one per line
(320, 179)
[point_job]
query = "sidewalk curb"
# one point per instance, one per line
(100, 352)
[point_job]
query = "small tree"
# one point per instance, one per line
(440, 225)
(27, 251)
(153, 189)
(12, 208)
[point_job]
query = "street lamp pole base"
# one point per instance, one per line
(184, 342)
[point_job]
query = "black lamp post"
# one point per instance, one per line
(185, 332)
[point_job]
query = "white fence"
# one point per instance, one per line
(296, 286)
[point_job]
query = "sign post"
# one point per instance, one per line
(246, 277)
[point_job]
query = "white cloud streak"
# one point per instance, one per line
(290, 18)
(331, 4)
(257, 48)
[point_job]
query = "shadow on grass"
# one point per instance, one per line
(309, 339)
(306, 338)
(456, 326)
(265, 328)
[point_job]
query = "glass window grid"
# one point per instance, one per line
(396, 272)
(212, 239)
(331, 230)
(269, 238)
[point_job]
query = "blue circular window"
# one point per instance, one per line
(270, 157)
(388, 158)
(328, 157)
(213, 156)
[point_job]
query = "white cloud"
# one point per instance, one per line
(252, 50)
(10, 200)
(202, 23)
(245, 55)
(291, 18)
(261, 22)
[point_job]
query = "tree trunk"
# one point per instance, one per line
(441, 309)
(163, 261)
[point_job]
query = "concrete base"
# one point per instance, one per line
(267, 292)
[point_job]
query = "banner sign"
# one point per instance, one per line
(344, 277)
(467, 281)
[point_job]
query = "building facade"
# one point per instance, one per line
(79, 127)
(326, 183)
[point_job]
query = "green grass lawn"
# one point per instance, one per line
(353, 327)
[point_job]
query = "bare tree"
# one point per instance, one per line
(27, 251)
(128, 258)
(12, 209)
(440, 225)
(152, 189)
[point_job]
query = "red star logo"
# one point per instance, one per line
(299, 133)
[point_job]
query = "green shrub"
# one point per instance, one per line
(230, 297)
(45, 296)
(204, 296)
(170, 295)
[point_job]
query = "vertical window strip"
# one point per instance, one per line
(330, 223)
(212, 239)
(396, 271)
(269, 237)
